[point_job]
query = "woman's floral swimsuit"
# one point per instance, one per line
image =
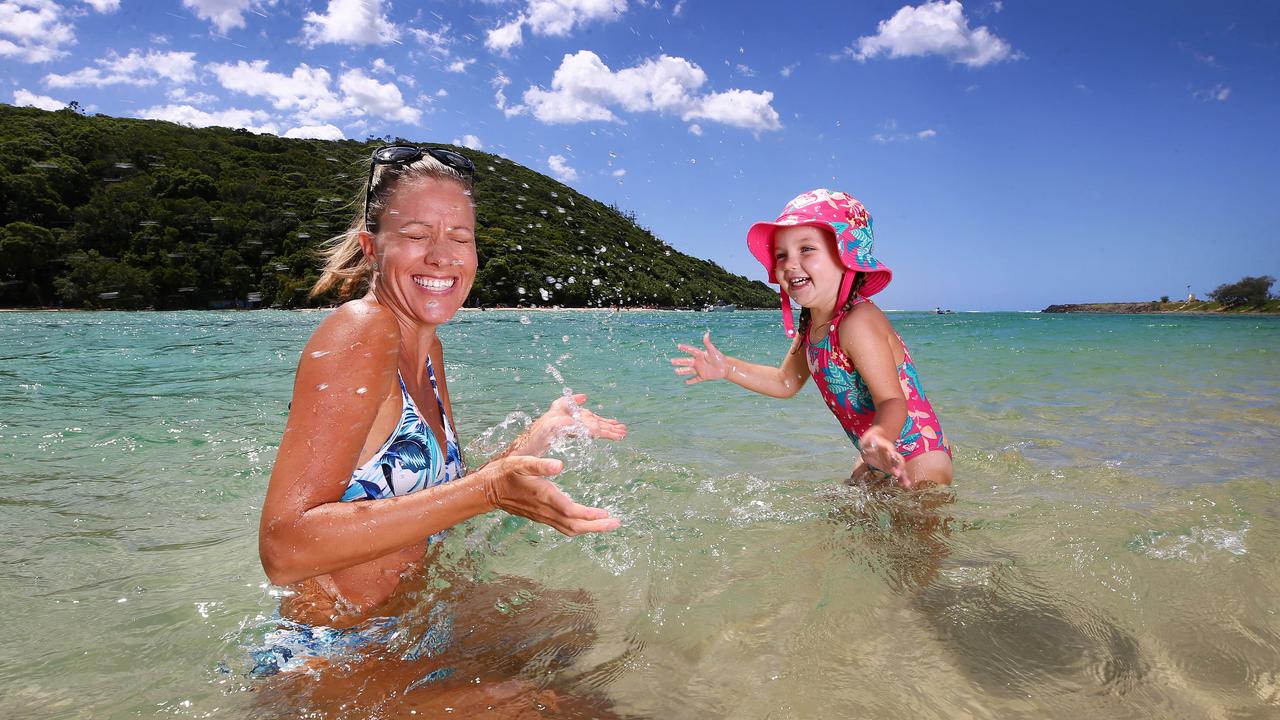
(850, 401)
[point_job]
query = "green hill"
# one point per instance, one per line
(108, 212)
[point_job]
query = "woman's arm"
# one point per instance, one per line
(783, 381)
(347, 369)
(864, 337)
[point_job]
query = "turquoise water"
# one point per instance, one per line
(1111, 547)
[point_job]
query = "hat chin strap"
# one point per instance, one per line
(787, 321)
(846, 286)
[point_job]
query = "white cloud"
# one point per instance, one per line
(132, 69)
(619, 173)
(745, 70)
(552, 18)
(1218, 92)
(558, 18)
(104, 6)
(305, 92)
(442, 93)
(436, 43)
(33, 31)
(560, 168)
(350, 22)
(695, 129)
(469, 141)
(504, 37)
(24, 98)
(934, 28)
(382, 66)
(584, 89)
(739, 108)
(890, 134)
(181, 95)
(226, 15)
(379, 99)
(315, 132)
(500, 83)
(788, 69)
(678, 10)
(253, 120)
(459, 65)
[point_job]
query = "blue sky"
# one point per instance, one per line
(1014, 154)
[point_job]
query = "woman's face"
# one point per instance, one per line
(806, 265)
(425, 250)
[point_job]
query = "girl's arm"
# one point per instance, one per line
(783, 381)
(864, 337)
(347, 369)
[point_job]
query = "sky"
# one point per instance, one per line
(1013, 154)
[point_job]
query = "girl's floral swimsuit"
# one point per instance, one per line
(850, 400)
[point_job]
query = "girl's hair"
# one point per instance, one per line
(344, 264)
(805, 318)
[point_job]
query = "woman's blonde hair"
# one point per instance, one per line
(344, 264)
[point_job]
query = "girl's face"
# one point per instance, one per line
(806, 264)
(425, 250)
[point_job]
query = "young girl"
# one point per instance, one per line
(819, 252)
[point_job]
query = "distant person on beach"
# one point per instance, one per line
(818, 251)
(370, 466)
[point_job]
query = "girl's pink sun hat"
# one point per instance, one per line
(847, 219)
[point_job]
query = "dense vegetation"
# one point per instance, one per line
(1246, 292)
(108, 212)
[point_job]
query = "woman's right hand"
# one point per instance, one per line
(518, 484)
(708, 364)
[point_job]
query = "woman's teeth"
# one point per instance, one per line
(434, 283)
(799, 282)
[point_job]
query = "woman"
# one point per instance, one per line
(369, 466)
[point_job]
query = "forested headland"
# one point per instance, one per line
(102, 212)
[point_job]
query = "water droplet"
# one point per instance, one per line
(524, 320)
(322, 386)
(520, 290)
(361, 390)
(319, 353)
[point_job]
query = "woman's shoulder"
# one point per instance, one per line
(359, 333)
(362, 320)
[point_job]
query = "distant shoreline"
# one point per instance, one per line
(1195, 307)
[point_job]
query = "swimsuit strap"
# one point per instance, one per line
(837, 350)
(444, 416)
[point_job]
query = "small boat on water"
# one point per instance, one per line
(721, 306)
(940, 311)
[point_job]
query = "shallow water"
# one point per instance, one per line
(1111, 547)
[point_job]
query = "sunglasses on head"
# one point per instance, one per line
(408, 154)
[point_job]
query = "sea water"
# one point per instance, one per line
(1110, 548)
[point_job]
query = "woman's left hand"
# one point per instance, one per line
(568, 416)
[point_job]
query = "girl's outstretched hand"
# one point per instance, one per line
(880, 458)
(708, 364)
(570, 417)
(518, 484)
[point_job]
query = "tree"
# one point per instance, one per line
(1249, 291)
